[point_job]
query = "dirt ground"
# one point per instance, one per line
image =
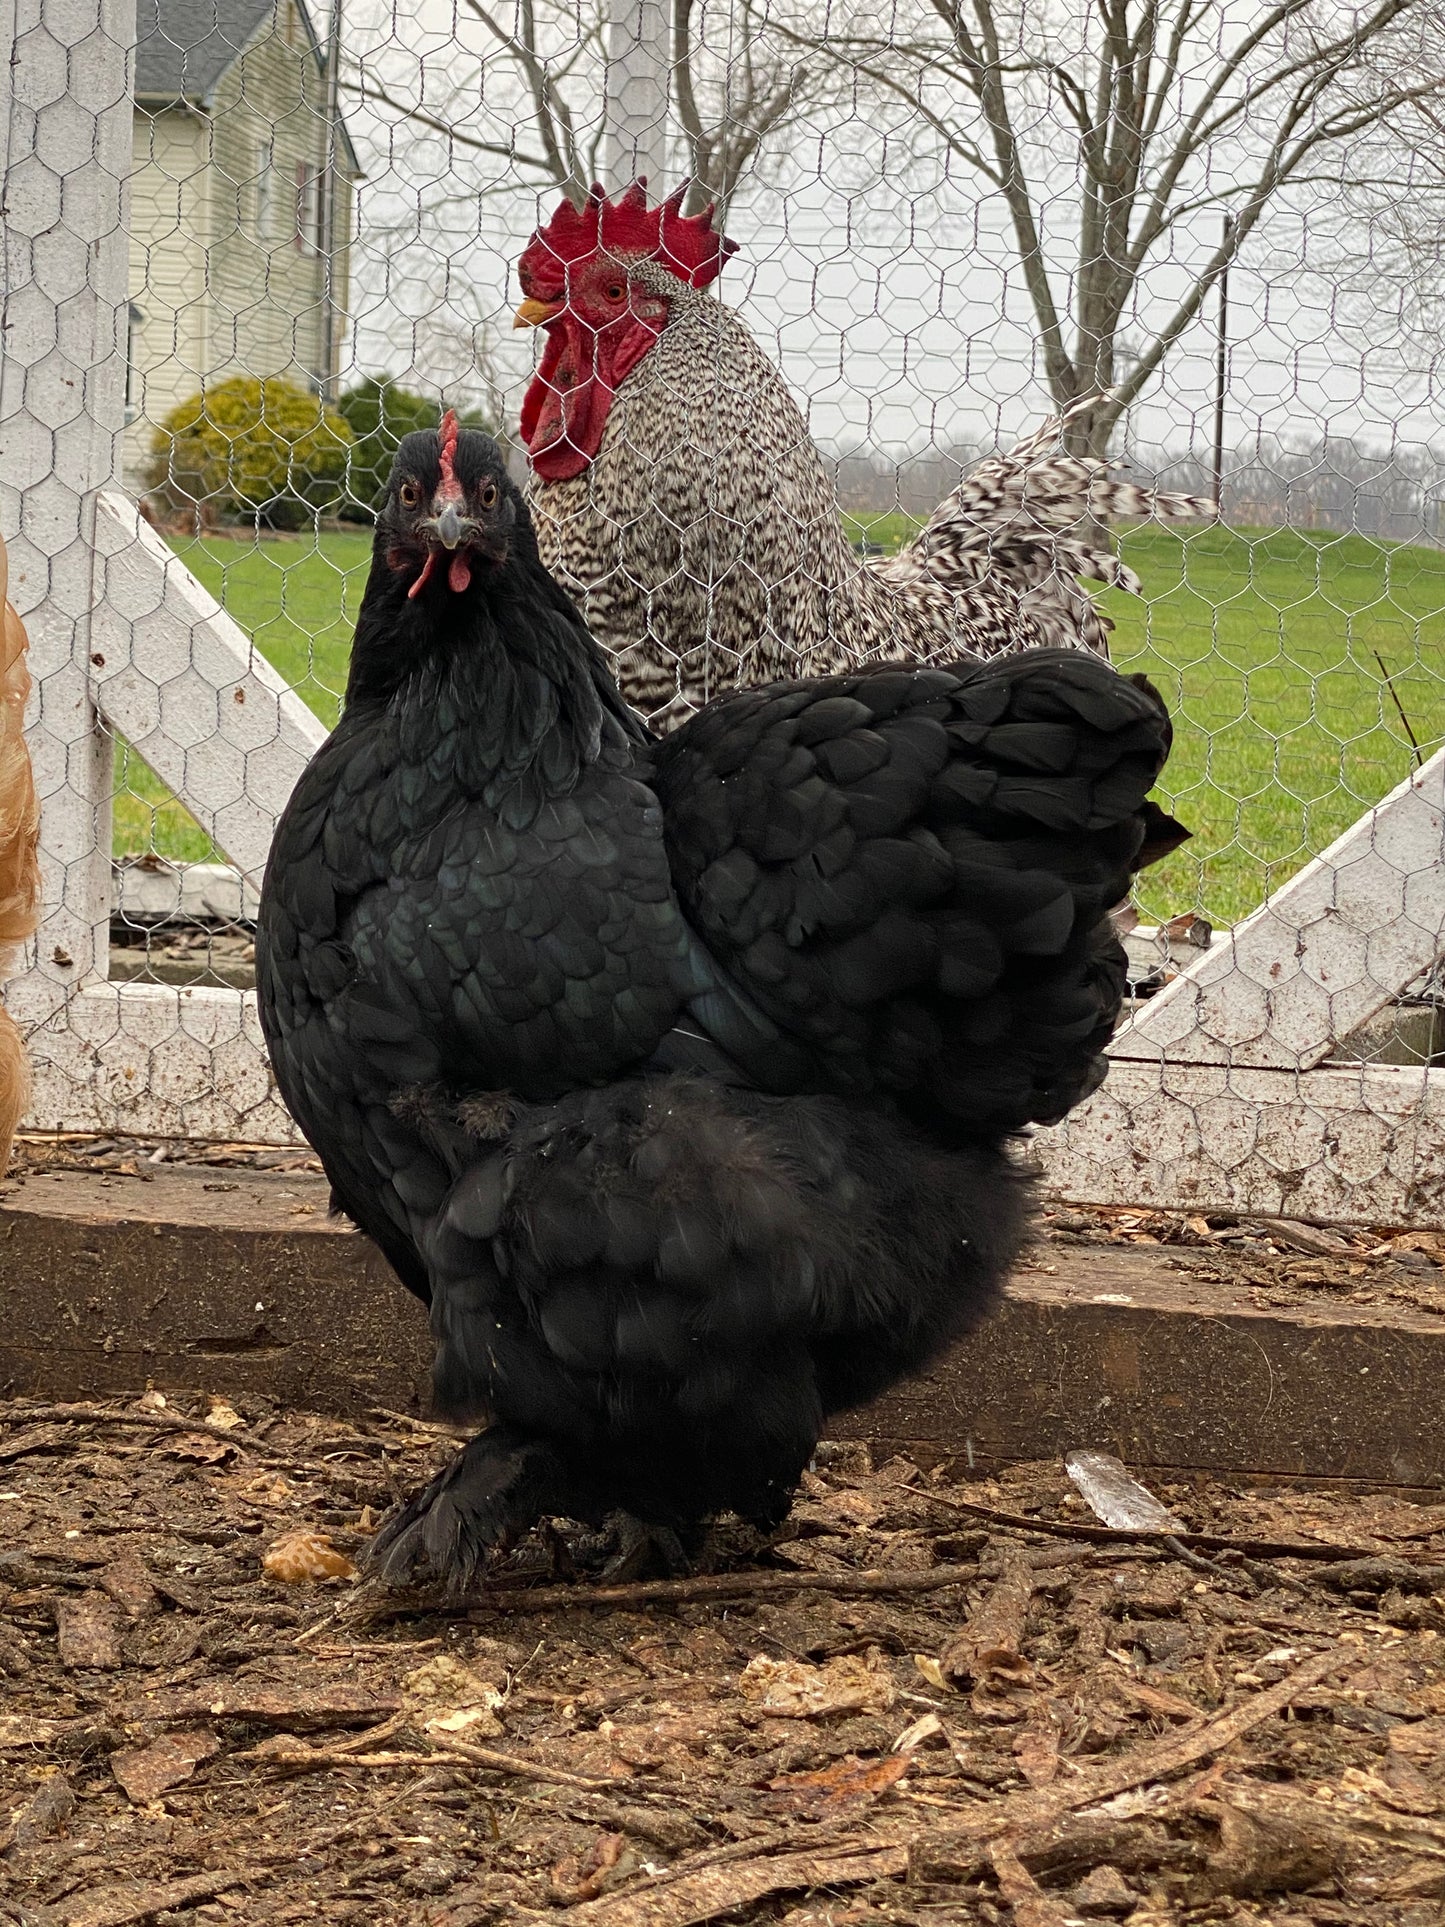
(926, 1703)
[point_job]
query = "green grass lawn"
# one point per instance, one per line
(1264, 645)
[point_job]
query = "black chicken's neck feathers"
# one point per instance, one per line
(507, 670)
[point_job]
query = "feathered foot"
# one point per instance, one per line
(495, 1488)
(642, 1549)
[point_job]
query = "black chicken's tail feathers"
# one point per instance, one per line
(672, 1281)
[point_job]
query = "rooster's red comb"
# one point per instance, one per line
(687, 245)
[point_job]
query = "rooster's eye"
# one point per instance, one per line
(616, 291)
(489, 496)
(410, 495)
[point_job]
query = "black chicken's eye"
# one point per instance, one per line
(489, 496)
(410, 495)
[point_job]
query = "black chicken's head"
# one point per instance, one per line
(451, 511)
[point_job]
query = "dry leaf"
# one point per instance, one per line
(267, 1488)
(836, 1790)
(224, 1416)
(792, 1690)
(912, 1737)
(476, 1721)
(303, 1558)
(582, 1876)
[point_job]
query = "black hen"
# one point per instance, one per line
(678, 1077)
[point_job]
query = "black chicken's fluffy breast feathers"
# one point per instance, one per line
(691, 1276)
(911, 869)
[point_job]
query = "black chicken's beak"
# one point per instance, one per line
(449, 527)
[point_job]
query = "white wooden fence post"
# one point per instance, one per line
(121, 633)
(62, 410)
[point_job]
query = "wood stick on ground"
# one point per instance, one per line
(454, 1753)
(1112, 1535)
(990, 1642)
(529, 1769)
(710, 1893)
(160, 1422)
(328, 1756)
(1156, 1760)
(718, 1585)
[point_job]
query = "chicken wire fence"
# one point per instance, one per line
(247, 246)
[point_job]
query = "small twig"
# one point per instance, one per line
(321, 1756)
(157, 1422)
(1208, 1541)
(426, 1426)
(1154, 1760)
(1399, 707)
(378, 1649)
(527, 1769)
(720, 1585)
(354, 1742)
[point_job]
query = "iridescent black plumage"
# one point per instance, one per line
(677, 1077)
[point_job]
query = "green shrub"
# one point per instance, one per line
(379, 413)
(267, 451)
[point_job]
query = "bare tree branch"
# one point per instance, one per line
(1165, 108)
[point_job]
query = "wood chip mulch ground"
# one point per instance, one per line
(931, 1702)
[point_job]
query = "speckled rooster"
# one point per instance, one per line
(678, 495)
(19, 868)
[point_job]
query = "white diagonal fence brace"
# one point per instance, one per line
(1221, 1091)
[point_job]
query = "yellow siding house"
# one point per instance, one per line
(241, 205)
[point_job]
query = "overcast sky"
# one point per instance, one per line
(880, 285)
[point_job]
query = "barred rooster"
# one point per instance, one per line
(678, 1076)
(19, 867)
(678, 496)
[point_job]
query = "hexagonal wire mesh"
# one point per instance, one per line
(247, 246)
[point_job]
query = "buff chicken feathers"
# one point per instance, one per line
(19, 864)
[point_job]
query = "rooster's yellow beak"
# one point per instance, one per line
(532, 314)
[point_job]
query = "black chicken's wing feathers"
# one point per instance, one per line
(912, 870)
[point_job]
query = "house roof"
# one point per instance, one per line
(185, 48)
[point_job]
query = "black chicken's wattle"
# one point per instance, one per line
(678, 1078)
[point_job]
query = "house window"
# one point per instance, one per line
(265, 190)
(308, 208)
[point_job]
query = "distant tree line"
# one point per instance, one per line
(1332, 483)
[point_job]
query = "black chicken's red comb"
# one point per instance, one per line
(447, 440)
(687, 245)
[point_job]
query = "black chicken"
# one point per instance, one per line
(678, 1077)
